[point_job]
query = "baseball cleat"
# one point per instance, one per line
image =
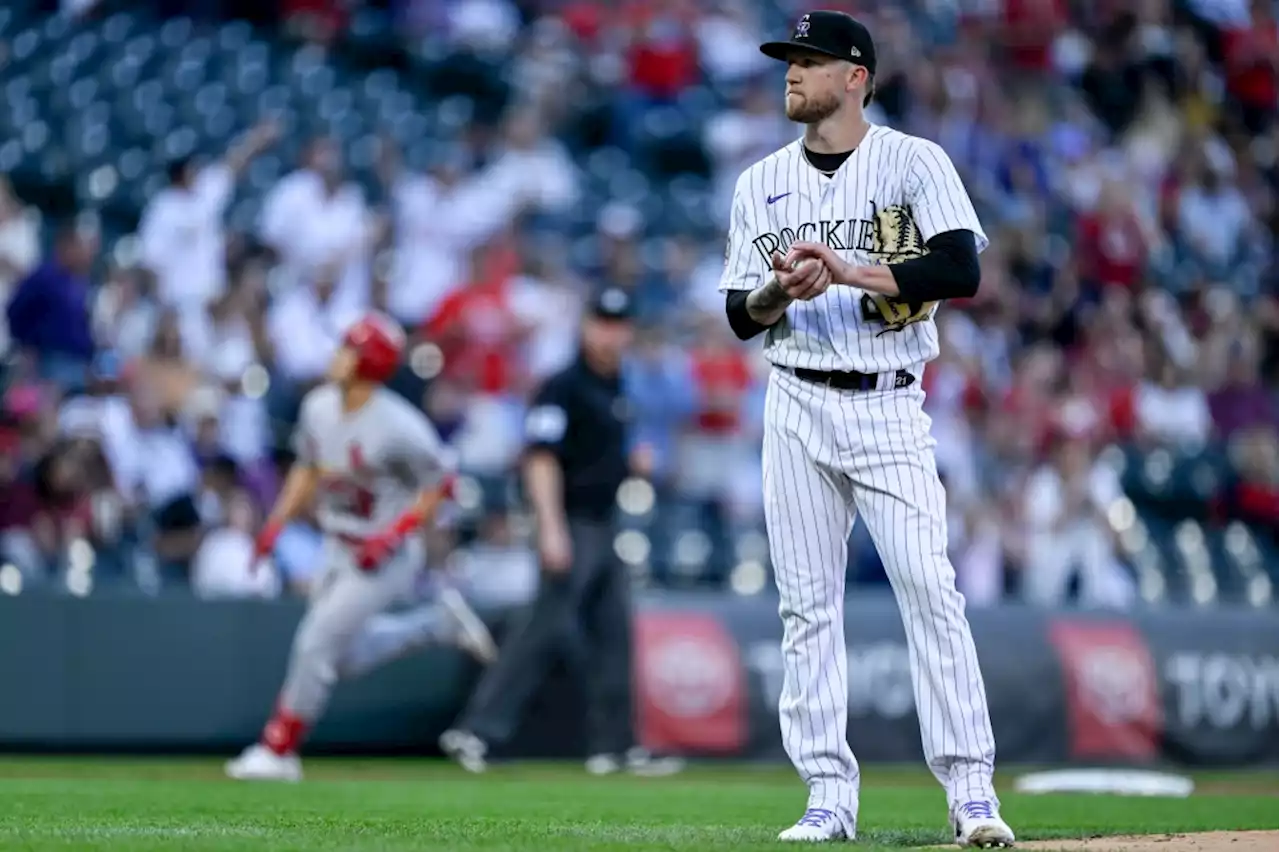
(978, 825)
(465, 749)
(637, 761)
(472, 636)
(818, 825)
(259, 763)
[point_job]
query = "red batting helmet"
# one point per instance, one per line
(378, 343)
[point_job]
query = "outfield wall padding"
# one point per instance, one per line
(1195, 687)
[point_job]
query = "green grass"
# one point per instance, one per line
(362, 806)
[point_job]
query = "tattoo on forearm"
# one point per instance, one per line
(769, 298)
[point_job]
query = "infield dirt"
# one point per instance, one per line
(1208, 841)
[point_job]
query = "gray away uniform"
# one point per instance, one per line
(373, 464)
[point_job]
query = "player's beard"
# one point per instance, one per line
(811, 109)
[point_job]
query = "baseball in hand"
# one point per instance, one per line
(797, 265)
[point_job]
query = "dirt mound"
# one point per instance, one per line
(1209, 841)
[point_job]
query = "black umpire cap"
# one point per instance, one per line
(831, 34)
(612, 303)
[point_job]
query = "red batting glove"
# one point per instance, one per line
(265, 543)
(377, 548)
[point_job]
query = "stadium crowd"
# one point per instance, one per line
(1122, 156)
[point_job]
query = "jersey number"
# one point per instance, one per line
(893, 314)
(351, 499)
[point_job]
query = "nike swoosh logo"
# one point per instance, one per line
(773, 198)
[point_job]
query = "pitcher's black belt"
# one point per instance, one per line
(851, 380)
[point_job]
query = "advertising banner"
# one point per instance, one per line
(1189, 687)
(1192, 687)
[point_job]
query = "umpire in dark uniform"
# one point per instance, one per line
(576, 458)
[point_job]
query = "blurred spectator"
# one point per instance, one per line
(715, 456)
(531, 166)
(1213, 220)
(19, 246)
(660, 61)
(663, 53)
(1255, 497)
(171, 482)
(223, 566)
(1028, 30)
(1113, 81)
(481, 336)
(306, 324)
(19, 510)
(1171, 411)
(728, 36)
(660, 384)
(1250, 52)
(549, 306)
(953, 387)
(478, 331)
(749, 131)
(440, 218)
(220, 338)
(60, 513)
(181, 231)
(104, 413)
(1243, 401)
(1067, 536)
(316, 221)
(125, 315)
(977, 549)
(48, 313)
(165, 373)
(549, 68)
(1113, 243)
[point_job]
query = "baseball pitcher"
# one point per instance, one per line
(841, 247)
(379, 472)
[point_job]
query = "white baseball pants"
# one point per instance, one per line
(829, 455)
(344, 635)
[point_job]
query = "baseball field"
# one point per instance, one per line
(362, 806)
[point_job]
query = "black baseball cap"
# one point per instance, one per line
(831, 34)
(612, 303)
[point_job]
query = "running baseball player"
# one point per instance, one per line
(379, 473)
(841, 246)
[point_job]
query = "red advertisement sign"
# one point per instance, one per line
(689, 684)
(1113, 698)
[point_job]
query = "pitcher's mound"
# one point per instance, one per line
(1209, 841)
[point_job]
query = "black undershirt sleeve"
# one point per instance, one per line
(735, 305)
(949, 271)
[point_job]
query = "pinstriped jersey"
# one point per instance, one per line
(892, 194)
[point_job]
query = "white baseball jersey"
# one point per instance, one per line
(892, 194)
(373, 462)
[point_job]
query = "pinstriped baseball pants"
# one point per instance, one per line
(830, 455)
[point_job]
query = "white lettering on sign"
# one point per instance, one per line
(1224, 690)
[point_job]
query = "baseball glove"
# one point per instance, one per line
(896, 238)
